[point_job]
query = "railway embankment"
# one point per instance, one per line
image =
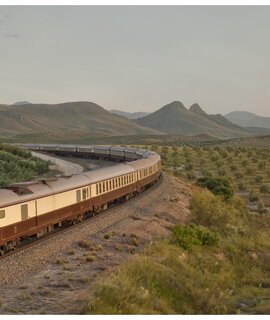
(65, 167)
(56, 276)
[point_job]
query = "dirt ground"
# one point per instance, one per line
(60, 283)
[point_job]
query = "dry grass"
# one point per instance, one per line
(224, 277)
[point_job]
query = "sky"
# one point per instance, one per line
(137, 58)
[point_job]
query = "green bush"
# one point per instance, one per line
(208, 210)
(258, 179)
(189, 236)
(264, 189)
(218, 186)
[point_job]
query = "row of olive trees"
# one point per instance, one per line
(18, 165)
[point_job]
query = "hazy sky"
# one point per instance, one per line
(137, 58)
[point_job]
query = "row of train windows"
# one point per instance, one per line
(144, 173)
(82, 195)
(101, 187)
(24, 212)
(114, 183)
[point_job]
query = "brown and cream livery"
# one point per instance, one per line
(34, 208)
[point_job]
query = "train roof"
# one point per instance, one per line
(30, 190)
(25, 191)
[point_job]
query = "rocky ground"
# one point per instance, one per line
(56, 276)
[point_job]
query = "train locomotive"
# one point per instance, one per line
(32, 209)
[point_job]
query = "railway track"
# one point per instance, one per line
(94, 220)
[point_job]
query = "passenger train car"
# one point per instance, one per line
(34, 208)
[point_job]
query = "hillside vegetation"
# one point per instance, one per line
(17, 165)
(218, 264)
(67, 119)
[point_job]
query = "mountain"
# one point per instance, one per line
(174, 118)
(217, 118)
(248, 119)
(197, 109)
(21, 103)
(86, 117)
(130, 115)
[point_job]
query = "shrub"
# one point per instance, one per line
(258, 179)
(244, 163)
(264, 188)
(86, 244)
(261, 165)
(189, 166)
(261, 208)
(218, 186)
(90, 259)
(253, 197)
(242, 186)
(210, 211)
(188, 236)
(249, 170)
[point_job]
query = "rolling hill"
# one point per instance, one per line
(174, 118)
(68, 117)
(248, 119)
(130, 115)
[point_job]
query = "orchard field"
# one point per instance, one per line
(247, 169)
(18, 165)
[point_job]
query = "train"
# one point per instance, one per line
(31, 209)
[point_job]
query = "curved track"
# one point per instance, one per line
(64, 229)
(31, 258)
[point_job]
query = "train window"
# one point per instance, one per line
(78, 195)
(113, 181)
(84, 194)
(110, 184)
(99, 186)
(119, 182)
(2, 214)
(103, 186)
(97, 189)
(107, 185)
(122, 181)
(24, 211)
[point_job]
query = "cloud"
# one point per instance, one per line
(10, 35)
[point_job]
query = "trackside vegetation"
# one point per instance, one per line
(17, 165)
(218, 264)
